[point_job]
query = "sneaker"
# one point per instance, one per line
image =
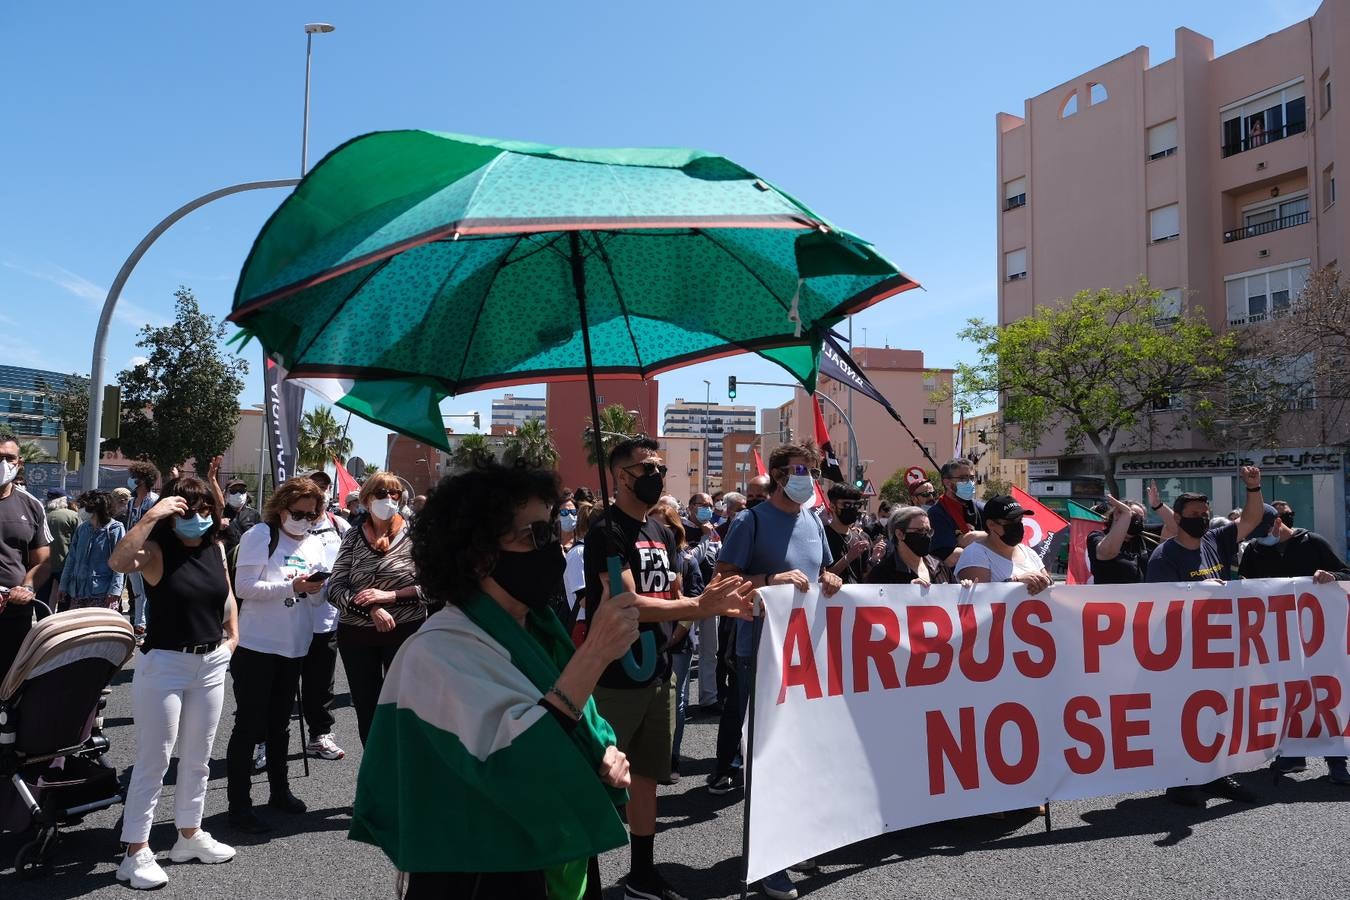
(1229, 788)
(1290, 765)
(725, 784)
(805, 867)
(324, 747)
(247, 821)
(1337, 772)
(201, 847)
(142, 871)
(287, 802)
(779, 886)
(650, 886)
(1186, 796)
(260, 757)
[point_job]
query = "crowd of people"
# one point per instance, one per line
(517, 650)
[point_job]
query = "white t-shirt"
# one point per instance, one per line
(266, 623)
(1000, 568)
(574, 576)
(329, 530)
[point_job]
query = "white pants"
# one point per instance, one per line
(707, 661)
(175, 699)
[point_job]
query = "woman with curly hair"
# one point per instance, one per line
(374, 587)
(274, 578)
(488, 708)
(86, 579)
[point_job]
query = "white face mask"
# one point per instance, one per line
(7, 472)
(293, 528)
(234, 501)
(384, 509)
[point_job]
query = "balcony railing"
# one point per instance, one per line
(1251, 141)
(1260, 228)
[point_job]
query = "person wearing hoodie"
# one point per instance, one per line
(1288, 552)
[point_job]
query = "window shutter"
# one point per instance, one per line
(1016, 263)
(1236, 297)
(1164, 222)
(1014, 188)
(1162, 138)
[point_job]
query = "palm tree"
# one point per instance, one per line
(473, 451)
(616, 425)
(32, 452)
(531, 445)
(321, 438)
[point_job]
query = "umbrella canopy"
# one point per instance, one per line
(409, 266)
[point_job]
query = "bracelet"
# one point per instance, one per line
(567, 702)
(1253, 490)
(1158, 507)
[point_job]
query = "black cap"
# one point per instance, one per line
(1268, 518)
(54, 493)
(236, 481)
(1004, 507)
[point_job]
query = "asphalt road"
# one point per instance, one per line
(1294, 843)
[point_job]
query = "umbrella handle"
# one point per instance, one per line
(637, 670)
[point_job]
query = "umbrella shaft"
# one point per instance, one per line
(579, 286)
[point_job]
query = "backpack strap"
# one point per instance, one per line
(273, 538)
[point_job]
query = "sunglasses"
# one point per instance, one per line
(850, 506)
(540, 533)
(298, 516)
(568, 514)
(203, 509)
(385, 494)
(798, 469)
(926, 532)
(926, 494)
(648, 468)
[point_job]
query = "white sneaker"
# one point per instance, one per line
(142, 871)
(324, 747)
(259, 757)
(201, 847)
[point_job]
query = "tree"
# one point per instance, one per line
(996, 487)
(72, 406)
(321, 439)
(616, 425)
(896, 488)
(471, 452)
(531, 445)
(1107, 367)
(184, 400)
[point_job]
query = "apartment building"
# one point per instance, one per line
(710, 420)
(510, 412)
(1215, 177)
(979, 440)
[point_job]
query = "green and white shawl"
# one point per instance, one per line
(464, 771)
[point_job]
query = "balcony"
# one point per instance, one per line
(1260, 228)
(1252, 141)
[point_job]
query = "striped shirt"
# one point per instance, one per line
(360, 566)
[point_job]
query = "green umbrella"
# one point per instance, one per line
(410, 266)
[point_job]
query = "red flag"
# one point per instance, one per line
(829, 463)
(759, 464)
(1042, 525)
(1082, 522)
(345, 482)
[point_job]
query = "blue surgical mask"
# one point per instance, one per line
(567, 520)
(193, 528)
(800, 488)
(1269, 540)
(965, 490)
(704, 514)
(131, 484)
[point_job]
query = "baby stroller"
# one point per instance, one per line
(52, 766)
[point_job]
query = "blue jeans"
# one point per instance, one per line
(138, 600)
(680, 662)
(733, 717)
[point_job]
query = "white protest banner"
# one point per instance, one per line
(889, 706)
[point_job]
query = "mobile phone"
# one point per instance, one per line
(317, 576)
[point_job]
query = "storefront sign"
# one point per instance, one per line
(1043, 468)
(1294, 460)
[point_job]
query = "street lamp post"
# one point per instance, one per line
(311, 29)
(707, 414)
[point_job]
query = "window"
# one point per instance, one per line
(1096, 94)
(929, 384)
(1328, 186)
(1271, 215)
(930, 417)
(1324, 90)
(1162, 140)
(1256, 296)
(1070, 106)
(1169, 307)
(1260, 120)
(930, 449)
(1015, 193)
(1015, 264)
(1164, 223)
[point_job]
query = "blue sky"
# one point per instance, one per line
(880, 115)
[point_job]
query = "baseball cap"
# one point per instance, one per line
(236, 482)
(54, 493)
(1004, 507)
(1268, 517)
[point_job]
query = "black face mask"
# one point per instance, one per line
(847, 515)
(648, 488)
(533, 577)
(753, 502)
(1013, 532)
(919, 544)
(1136, 526)
(1287, 518)
(1195, 526)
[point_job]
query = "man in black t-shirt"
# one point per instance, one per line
(24, 553)
(849, 546)
(636, 694)
(1117, 554)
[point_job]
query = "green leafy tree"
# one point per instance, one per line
(471, 452)
(321, 438)
(32, 452)
(1108, 368)
(995, 487)
(184, 400)
(896, 489)
(531, 445)
(616, 425)
(72, 406)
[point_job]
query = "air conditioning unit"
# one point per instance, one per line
(1262, 254)
(1260, 166)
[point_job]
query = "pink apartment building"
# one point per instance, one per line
(1216, 178)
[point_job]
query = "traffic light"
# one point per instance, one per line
(731, 387)
(475, 420)
(62, 445)
(111, 424)
(859, 477)
(984, 436)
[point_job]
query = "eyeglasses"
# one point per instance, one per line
(238, 491)
(648, 468)
(926, 532)
(299, 516)
(385, 493)
(540, 533)
(799, 469)
(850, 506)
(202, 509)
(926, 494)
(567, 514)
